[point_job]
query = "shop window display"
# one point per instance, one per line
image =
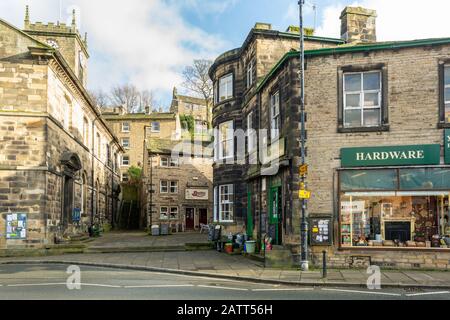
(400, 217)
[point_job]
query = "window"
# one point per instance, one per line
(362, 99)
(225, 203)
(173, 186)
(250, 74)
(125, 127)
(164, 162)
(125, 177)
(125, 160)
(251, 133)
(126, 143)
(163, 186)
(226, 87)
(99, 145)
(173, 212)
(156, 126)
(163, 213)
(447, 93)
(275, 116)
(226, 140)
(108, 154)
(174, 162)
(85, 132)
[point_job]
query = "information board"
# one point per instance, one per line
(16, 226)
(321, 231)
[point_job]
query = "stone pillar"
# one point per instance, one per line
(358, 25)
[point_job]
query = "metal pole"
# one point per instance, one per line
(304, 264)
(324, 264)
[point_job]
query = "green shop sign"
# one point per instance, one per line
(447, 146)
(426, 154)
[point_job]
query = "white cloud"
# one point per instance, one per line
(397, 20)
(206, 7)
(145, 42)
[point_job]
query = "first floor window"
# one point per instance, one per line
(164, 162)
(362, 99)
(164, 186)
(173, 186)
(250, 74)
(125, 160)
(174, 162)
(173, 212)
(125, 127)
(447, 93)
(226, 87)
(251, 133)
(163, 213)
(275, 116)
(225, 203)
(156, 126)
(226, 140)
(124, 177)
(126, 143)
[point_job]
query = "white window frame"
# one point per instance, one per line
(170, 213)
(153, 126)
(228, 139)
(216, 205)
(125, 125)
(275, 121)
(446, 86)
(251, 133)
(174, 162)
(228, 202)
(162, 160)
(166, 187)
(225, 87)
(123, 145)
(166, 209)
(361, 93)
(123, 160)
(173, 185)
(250, 74)
(124, 174)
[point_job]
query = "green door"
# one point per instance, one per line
(275, 212)
(249, 215)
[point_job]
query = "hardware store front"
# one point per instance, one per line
(393, 208)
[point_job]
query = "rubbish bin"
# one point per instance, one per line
(155, 230)
(164, 229)
(250, 246)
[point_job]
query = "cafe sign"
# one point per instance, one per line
(196, 194)
(426, 154)
(447, 145)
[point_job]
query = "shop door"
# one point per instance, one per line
(203, 216)
(275, 218)
(249, 215)
(189, 218)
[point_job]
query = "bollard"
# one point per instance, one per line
(324, 264)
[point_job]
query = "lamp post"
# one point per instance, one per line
(304, 264)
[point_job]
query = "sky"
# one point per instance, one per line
(149, 42)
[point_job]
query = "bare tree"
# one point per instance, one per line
(196, 80)
(126, 95)
(100, 98)
(146, 99)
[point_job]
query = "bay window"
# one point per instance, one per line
(225, 143)
(225, 87)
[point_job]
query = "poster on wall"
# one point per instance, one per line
(196, 194)
(16, 226)
(76, 215)
(321, 231)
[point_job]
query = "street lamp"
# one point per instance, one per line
(304, 264)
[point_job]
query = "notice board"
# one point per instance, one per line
(16, 226)
(321, 231)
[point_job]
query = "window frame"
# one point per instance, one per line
(442, 65)
(123, 146)
(228, 138)
(228, 97)
(227, 202)
(249, 75)
(176, 215)
(159, 127)
(174, 162)
(128, 125)
(123, 159)
(251, 133)
(175, 188)
(161, 186)
(161, 162)
(127, 177)
(384, 123)
(167, 213)
(276, 117)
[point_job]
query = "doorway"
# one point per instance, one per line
(275, 215)
(189, 219)
(203, 216)
(67, 200)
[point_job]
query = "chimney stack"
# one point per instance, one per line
(358, 25)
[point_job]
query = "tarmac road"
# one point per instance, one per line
(49, 282)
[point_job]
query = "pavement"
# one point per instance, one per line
(170, 254)
(54, 282)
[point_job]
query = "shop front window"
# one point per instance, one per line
(405, 208)
(447, 93)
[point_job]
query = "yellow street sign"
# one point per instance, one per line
(303, 169)
(304, 194)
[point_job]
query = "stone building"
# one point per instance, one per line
(178, 177)
(58, 158)
(378, 150)
(236, 75)
(132, 128)
(195, 107)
